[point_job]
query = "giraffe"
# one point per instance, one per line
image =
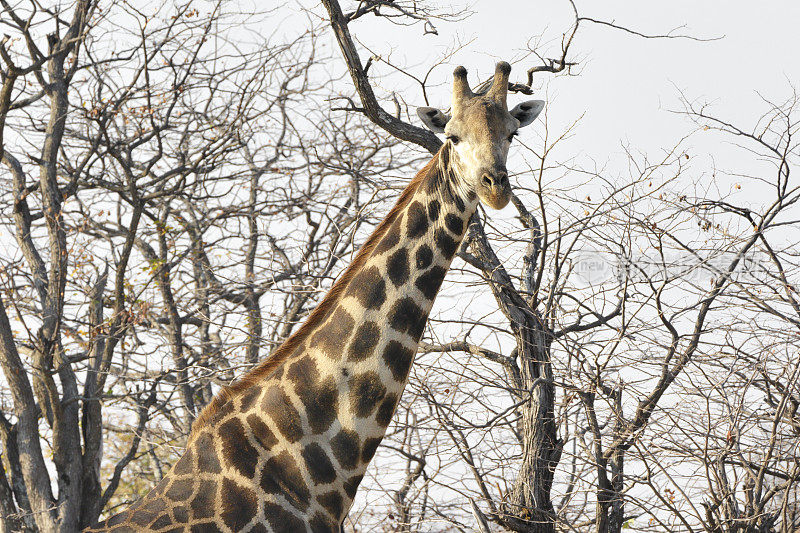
(284, 448)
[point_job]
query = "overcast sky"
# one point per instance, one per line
(626, 83)
(627, 86)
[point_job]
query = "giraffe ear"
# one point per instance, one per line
(526, 112)
(433, 118)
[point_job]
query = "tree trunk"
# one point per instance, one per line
(541, 452)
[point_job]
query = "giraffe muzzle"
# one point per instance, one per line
(494, 190)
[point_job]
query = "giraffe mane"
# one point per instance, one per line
(439, 165)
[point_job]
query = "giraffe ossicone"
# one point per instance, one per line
(284, 448)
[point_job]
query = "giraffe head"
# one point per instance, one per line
(480, 132)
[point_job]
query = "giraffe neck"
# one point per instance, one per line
(287, 446)
(348, 375)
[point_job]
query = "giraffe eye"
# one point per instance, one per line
(453, 139)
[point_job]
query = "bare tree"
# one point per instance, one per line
(583, 340)
(164, 185)
(177, 192)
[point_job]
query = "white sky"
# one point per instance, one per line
(626, 83)
(626, 88)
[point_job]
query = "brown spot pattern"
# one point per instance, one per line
(180, 490)
(366, 390)
(249, 398)
(398, 358)
(238, 451)
(417, 221)
(329, 337)
(283, 413)
(397, 267)
(239, 505)
(261, 432)
(346, 446)
(370, 445)
(454, 223)
(386, 410)
(184, 465)
(322, 524)
(424, 256)
(392, 236)
(407, 317)
(319, 398)
(429, 282)
(445, 243)
(351, 486)
(364, 340)
(318, 463)
(282, 476)
(281, 520)
(332, 502)
(433, 209)
(369, 288)
(202, 504)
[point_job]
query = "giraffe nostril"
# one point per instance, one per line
(503, 179)
(486, 180)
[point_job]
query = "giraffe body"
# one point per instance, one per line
(285, 448)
